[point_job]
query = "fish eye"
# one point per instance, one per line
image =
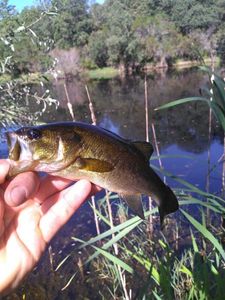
(33, 134)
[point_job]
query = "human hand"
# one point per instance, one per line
(32, 210)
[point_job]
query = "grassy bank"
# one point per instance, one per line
(32, 78)
(191, 63)
(104, 73)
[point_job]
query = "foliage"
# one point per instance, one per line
(72, 25)
(15, 59)
(190, 15)
(157, 35)
(117, 33)
(97, 48)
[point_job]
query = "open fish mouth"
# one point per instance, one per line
(13, 145)
(18, 148)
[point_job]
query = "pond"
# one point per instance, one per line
(182, 138)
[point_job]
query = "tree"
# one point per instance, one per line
(189, 15)
(97, 48)
(221, 43)
(6, 10)
(157, 36)
(72, 25)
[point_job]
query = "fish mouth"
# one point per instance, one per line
(18, 148)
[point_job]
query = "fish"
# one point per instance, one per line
(77, 150)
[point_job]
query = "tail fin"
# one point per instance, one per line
(169, 204)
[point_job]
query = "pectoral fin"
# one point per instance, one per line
(93, 165)
(135, 203)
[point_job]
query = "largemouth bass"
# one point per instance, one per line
(80, 151)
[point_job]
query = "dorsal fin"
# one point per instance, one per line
(145, 148)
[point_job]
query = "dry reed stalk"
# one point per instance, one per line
(146, 112)
(95, 215)
(93, 118)
(176, 236)
(91, 107)
(209, 156)
(150, 223)
(115, 246)
(69, 105)
(156, 146)
(51, 257)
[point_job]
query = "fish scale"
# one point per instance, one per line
(78, 150)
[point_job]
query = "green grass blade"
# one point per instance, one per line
(182, 101)
(205, 232)
(113, 240)
(114, 259)
(103, 218)
(194, 244)
(185, 270)
(157, 297)
(192, 200)
(144, 262)
(218, 112)
(154, 157)
(130, 222)
(220, 86)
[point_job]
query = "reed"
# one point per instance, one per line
(150, 226)
(69, 105)
(94, 122)
(167, 275)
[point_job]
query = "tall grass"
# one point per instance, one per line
(196, 273)
(153, 268)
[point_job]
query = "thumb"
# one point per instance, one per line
(21, 188)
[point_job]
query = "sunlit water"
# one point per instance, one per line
(181, 133)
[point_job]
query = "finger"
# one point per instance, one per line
(21, 188)
(2, 208)
(49, 186)
(4, 169)
(60, 207)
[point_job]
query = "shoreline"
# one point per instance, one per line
(103, 73)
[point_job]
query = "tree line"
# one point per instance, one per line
(124, 33)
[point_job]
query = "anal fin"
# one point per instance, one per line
(135, 203)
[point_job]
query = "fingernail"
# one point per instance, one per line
(18, 195)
